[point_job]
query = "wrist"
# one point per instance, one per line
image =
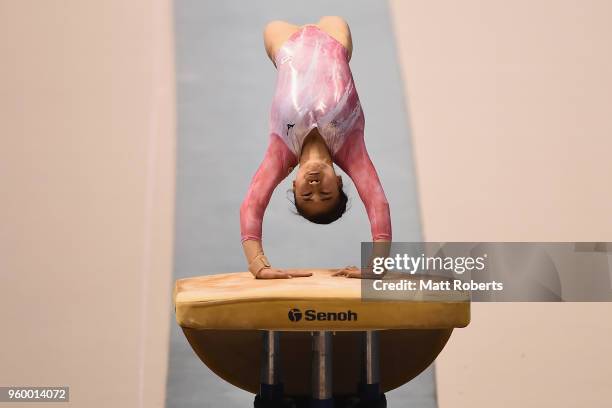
(258, 263)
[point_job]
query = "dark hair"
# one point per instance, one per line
(329, 216)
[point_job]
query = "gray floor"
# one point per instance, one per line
(225, 85)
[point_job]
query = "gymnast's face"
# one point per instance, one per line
(316, 187)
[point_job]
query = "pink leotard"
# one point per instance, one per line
(315, 88)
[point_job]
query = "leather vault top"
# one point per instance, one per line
(237, 301)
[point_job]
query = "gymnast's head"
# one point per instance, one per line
(317, 192)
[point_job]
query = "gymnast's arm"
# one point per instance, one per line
(275, 166)
(354, 159)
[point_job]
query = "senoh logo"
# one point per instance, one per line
(295, 315)
(310, 315)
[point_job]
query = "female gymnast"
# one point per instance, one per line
(316, 120)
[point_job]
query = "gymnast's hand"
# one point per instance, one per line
(253, 250)
(348, 272)
(273, 273)
(355, 272)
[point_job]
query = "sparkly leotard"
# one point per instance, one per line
(315, 88)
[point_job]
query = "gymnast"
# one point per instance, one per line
(316, 120)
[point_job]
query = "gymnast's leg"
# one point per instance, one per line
(277, 32)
